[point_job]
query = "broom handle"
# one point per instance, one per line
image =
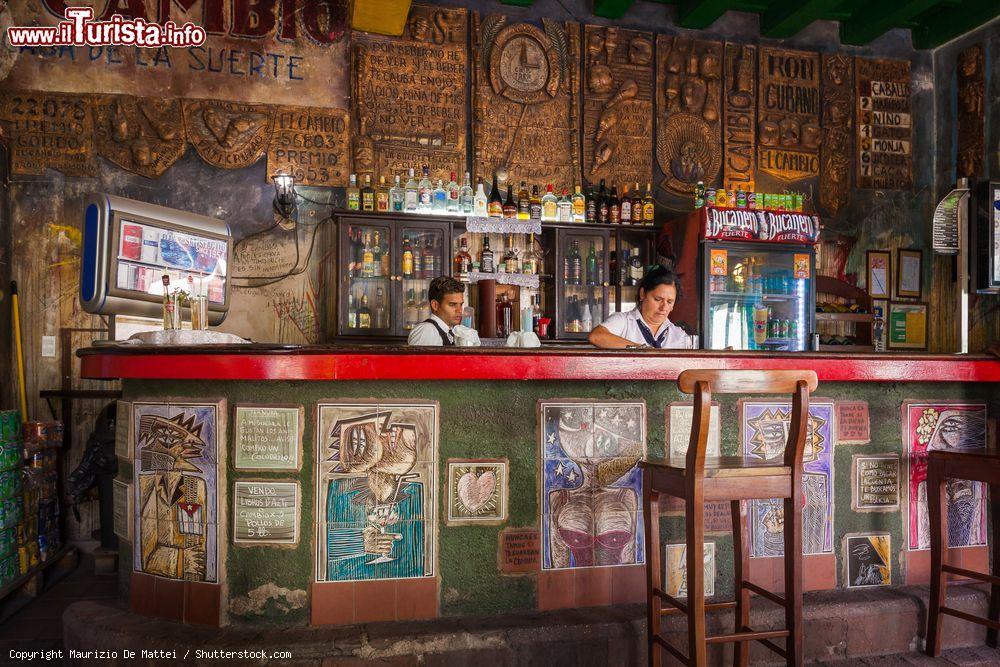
(19, 349)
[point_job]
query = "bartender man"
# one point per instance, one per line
(447, 297)
(646, 325)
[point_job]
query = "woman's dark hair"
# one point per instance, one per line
(657, 275)
(442, 286)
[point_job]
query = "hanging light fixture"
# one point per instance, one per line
(284, 195)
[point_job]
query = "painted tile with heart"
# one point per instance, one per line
(477, 491)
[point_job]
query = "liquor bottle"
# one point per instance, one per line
(364, 314)
(529, 260)
(396, 196)
(425, 191)
(614, 207)
(411, 195)
(613, 269)
(636, 206)
(495, 206)
(381, 196)
(486, 257)
(523, 202)
(591, 206)
(648, 206)
(592, 277)
(602, 204)
(574, 265)
(574, 315)
(353, 194)
(359, 253)
(431, 268)
(410, 310)
(466, 197)
(479, 201)
(384, 250)
(550, 205)
(440, 198)
(586, 320)
(453, 204)
(381, 316)
(564, 207)
(511, 265)
(376, 257)
(418, 262)
(352, 266)
(352, 313)
(368, 259)
(699, 194)
(368, 195)
(424, 307)
(536, 312)
(579, 206)
(635, 269)
(535, 204)
(598, 311)
(626, 207)
(463, 260)
(407, 258)
(510, 206)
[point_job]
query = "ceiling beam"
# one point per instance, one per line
(699, 14)
(936, 28)
(786, 18)
(876, 19)
(611, 9)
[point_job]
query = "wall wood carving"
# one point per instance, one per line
(689, 108)
(143, 136)
(409, 96)
(228, 135)
(788, 123)
(884, 124)
(525, 114)
(617, 105)
(837, 122)
(740, 122)
(49, 130)
(313, 145)
(971, 111)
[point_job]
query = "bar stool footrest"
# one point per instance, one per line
(670, 648)
(971, 574)
(970, 618)
(708, 607)
(746, 635)
(764, 593)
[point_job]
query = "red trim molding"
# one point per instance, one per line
(326, 364)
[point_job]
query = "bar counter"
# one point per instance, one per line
(322, 362)
(492, 470)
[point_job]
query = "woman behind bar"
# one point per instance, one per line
(646, 325)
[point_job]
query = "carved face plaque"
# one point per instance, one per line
(142, 136)
(228, 135)
(523, 65)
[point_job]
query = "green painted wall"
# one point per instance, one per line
(498, 419)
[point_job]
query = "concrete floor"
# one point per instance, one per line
(39, 625)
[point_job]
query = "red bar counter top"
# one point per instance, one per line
(328, 362)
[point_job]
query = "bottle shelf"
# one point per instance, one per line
(747, 296)
(844, 317)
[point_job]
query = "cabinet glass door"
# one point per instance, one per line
(584, 281)
(630, 262)
(422, 256)
(366, 306)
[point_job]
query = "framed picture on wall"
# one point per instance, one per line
(909, 273)
(879, 263)
(907, 325)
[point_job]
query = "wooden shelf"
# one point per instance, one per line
(846, 348)
(843, 317)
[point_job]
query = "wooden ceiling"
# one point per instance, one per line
(932, 22)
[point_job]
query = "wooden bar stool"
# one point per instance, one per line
(698, 479)
(978, 465)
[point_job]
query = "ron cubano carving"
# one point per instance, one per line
(617, 105)
(525, 109)
(838, 133)
(884, 145)
(409, 96)
(313, 145)
(740, 120)
(228, 135)
(971, 111)
(788, 117)
(49, 130)
(689, 108)
(142, 135)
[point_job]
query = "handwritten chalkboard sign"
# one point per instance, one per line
(267, 437)
(876, 483)
(884, 144)
(266, 513)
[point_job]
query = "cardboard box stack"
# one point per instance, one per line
(11, 500)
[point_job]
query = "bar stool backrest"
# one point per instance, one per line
(702, 383)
